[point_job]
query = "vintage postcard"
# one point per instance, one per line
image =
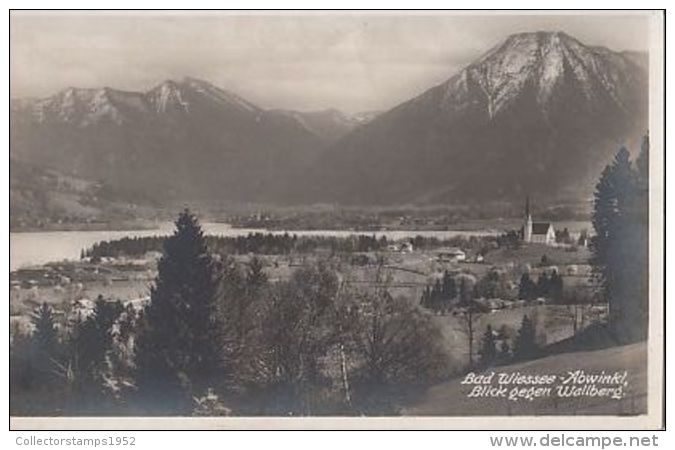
(336, 219)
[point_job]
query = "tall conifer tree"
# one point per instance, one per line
(525, 346)
(178, 352)
(488, 347)
(620, 246)
(45, 346)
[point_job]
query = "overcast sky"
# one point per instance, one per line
(305, 61)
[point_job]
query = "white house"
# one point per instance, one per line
(407, 247)
(451, 254)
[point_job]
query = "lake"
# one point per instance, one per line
(34, 248)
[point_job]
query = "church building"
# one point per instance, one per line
(537, 232)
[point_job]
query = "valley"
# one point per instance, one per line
(342, 225)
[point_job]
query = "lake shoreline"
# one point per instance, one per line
(32, 248)
(39, 248)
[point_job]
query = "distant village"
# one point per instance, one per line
(422, 262)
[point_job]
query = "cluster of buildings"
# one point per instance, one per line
(67, 273)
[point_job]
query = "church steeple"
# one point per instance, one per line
(527, 206)
(527, 226)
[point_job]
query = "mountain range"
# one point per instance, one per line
(539, 114)
(181, 140)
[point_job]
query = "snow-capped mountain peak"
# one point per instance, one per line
(186, 94)
(79, 107)
(542, 64)
(168, 97)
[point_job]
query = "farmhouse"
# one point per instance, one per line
(404, 247)
(450, 254)
(407, 247)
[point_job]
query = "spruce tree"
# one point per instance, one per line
(620, 245)
(556, 287)
(641, 237)
(45, 336)
(465, 291)
(525, 346)
(90, 366)
(178, 351)
(449, 286)
(426, 297)
(642, 161)
(488, 347)
(91, 342)
(505, 351)
(256, 276)
(612, 195)
(543, 285)
(104, 318)
(44, 343)
(527, 290)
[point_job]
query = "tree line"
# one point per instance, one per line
(459, 289)
(280, 244)
(257, 243)
(549, 286)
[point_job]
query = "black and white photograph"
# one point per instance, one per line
(348, 215)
